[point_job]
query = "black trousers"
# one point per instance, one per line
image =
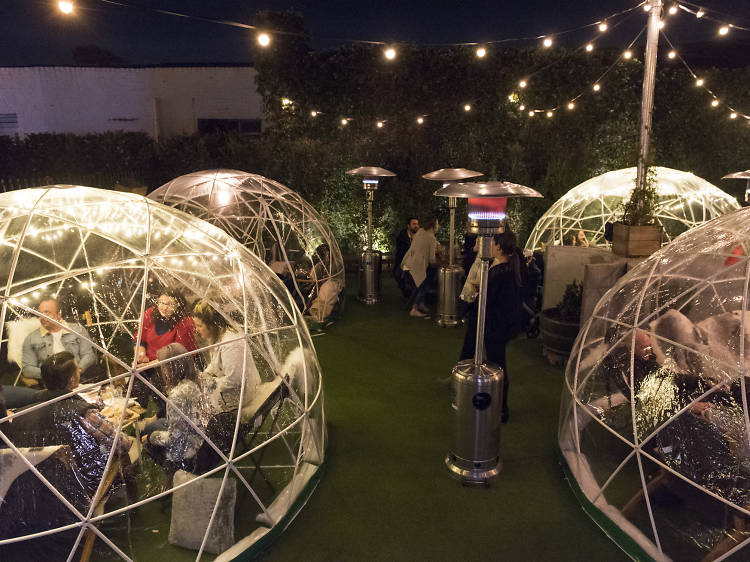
(494, 349)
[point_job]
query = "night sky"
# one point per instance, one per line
(34, 32)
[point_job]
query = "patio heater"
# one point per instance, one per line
(741, 176)
(450, 277)
(476, 387)
(369, 265)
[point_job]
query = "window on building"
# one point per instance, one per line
(242, 126)
(8, 123)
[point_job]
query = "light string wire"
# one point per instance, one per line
(702, 83)
(232, 23)
(702, 14)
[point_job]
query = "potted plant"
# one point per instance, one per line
(559, 325)
(637, 233)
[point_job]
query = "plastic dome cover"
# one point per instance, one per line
(654, 417)
(685, 201)
(242, 430)
(275, 223)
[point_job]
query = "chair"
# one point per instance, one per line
(17, 331)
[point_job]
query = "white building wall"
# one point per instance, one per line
(161, 101)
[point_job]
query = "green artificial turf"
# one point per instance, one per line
(386, 494)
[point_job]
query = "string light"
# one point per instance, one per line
(481, 51)
(590, 47)
(264, 39)
(571, 105)
(733, 115)
(662, 23)
(65, 6)
(521, 107)
(420, 120)
(313, 113)
(467, 107)
(627, 55)
(596, 87)
(379, 124)
(723, 30)
(647, 7)
(715, 103)
(671, 54)
(699, 82)
(522, 84)
(547, 42)
(673, 9)
(531, 113)
(286, 102)
(549, 114)
(344, 121)
(603, 26)
(700, 13)
(390, 53)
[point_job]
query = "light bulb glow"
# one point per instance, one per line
(390, 53)
(420, 120)
(733, 115)
(522, 107)
(647, 7)
(531, 113)
(672, 54)
(627, 55)
(344, 121)
(700, 13)
(661, 24)
(597, 87)
(699, 82)
(481, 51)
(723, 30)
(673, 9)
(589, 47)
(522, 84)
(549, 114)
(379, 124)
(571, 105)
(715, 103)
(264, 39)
(603, 26)
(547, 42)
(313, 113)
(467, 107)
(65, 7)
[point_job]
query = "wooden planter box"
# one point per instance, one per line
(636, 241)
(558, 336)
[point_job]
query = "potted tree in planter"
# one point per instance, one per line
(559, 325)
(637, 233)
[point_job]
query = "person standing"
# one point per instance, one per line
(421, 264)
(503, 312)
(403, 242)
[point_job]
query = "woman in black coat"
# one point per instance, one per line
(503, 314)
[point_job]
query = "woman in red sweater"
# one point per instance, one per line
(165, 323)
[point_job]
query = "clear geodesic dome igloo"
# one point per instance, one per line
(183, 417)
(685, 201)
(276, 224)
(654, 417)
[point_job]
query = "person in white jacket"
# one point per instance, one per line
(420, 262)
(230, 360)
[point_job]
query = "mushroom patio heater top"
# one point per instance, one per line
(477, 387)
(450, 276)
(741, 176)
(369, 267)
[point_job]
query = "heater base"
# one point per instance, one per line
(478, 472)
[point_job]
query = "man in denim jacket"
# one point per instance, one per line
(53, 338)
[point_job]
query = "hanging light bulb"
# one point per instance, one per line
(379, 124)
(286, 102)
(390, 53)
(647, 7)
(603, 26)
(531, 113)
(571, 105)
(700, 13)
(590, 47)
(522, 84)
(547, 42)
(699, 82)
(597, 87)
(481, 52)
(549, 114)
(661, 24)
(264, 39)
(715, 103)
(467, 107)
(723, 30)
(521, 107)
(627, 55)
(673, 9)
(65, 7)
(733, 115)
(672, 54)
(420, 120)
(344, 121)
(313, 113)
